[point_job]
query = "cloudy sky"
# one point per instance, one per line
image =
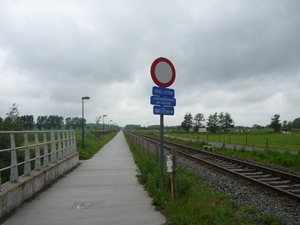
(240, 57)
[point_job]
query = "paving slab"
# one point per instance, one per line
(102, 190)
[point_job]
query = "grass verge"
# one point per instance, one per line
(92, 143)
(196, 203)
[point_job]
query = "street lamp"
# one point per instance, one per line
(110, 125)
(103, 121)
(97, 120)
(82, 119)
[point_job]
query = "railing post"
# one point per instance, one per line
(14, 176)
(68, 144)
(73, 142)
(46, 159)
(53, 148)
(27, 166)
(59, 146)
(37, 153)
(64, 145)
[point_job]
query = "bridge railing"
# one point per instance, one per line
(24, 151)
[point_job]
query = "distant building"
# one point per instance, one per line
(202, 129)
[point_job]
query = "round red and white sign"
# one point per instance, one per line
(163, 72)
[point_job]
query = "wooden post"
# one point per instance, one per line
(172, 186)
(174, 173)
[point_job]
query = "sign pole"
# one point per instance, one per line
(163, 74)
(161, 152)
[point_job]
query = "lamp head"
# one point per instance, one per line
(86, 98)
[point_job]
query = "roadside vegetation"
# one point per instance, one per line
(196, 203)
(92, 143)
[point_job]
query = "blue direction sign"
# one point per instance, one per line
(166, 92)
(157, 100)
(160, 110)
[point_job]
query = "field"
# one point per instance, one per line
(277, 149)
(263, 140)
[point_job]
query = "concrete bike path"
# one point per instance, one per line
(102, 190)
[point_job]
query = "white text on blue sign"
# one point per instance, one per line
(163, 101)
(159, 110)
(167, 92)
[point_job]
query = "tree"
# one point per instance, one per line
(296, 123)
(213, 123)
(41, 122)
(68, 123)
(13, 112)
(258, 127)
(275, 123)
(10, 123)
(59, 120)
(187, 122)
(198, 119)
(27, 122)
(225, 121)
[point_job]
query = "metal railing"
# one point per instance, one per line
(32, 150)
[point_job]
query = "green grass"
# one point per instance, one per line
(92, 143)
(196, 203)
(264, 140)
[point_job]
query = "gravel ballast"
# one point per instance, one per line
(245, 193)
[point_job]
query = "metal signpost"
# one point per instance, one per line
(163, 75)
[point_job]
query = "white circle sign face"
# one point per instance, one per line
(162, 72)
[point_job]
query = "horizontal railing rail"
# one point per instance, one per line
(25, 151)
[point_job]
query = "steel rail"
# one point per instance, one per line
(270, 187)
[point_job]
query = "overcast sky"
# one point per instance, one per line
(240, 57)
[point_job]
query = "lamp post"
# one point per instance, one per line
(97, 120)
(103, 121)
(82, 119)
(110, 125)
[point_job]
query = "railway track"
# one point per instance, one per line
(283, 183)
